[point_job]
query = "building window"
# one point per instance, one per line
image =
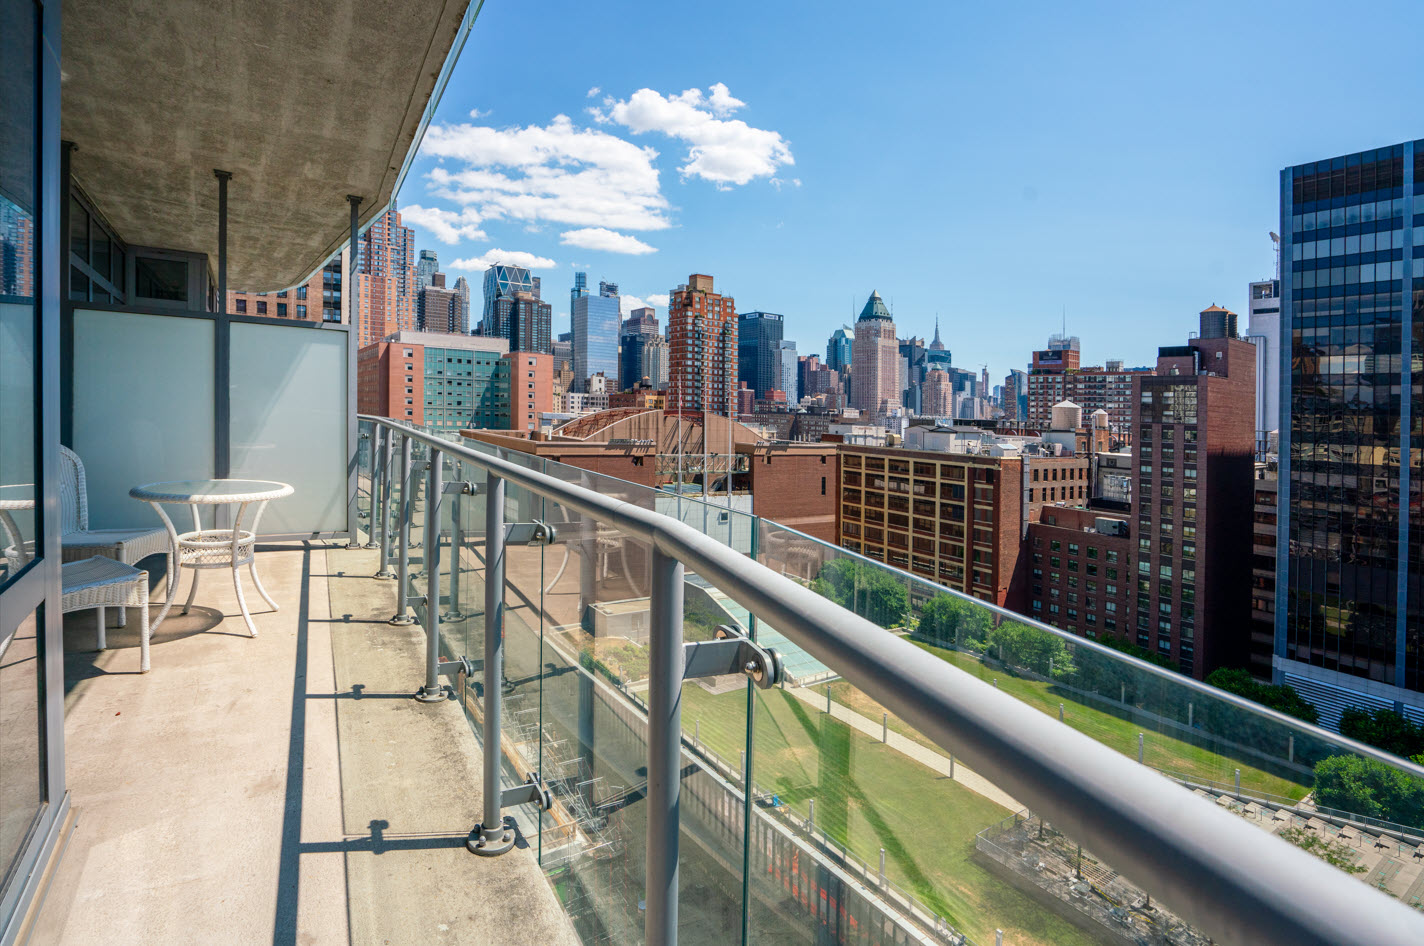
(239, 306)
(282, 309)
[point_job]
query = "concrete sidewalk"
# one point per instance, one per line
(929, 758)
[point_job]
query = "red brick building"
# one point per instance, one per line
(531, 388)
(702, 370)
(385, 276)
(1081, 571)
(390, 381)
(319, 299)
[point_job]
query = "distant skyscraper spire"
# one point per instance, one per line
(936, 345)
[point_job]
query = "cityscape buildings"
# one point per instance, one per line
(1263, 325)
(838, 349)
(595, 334)
(876, 359)
(425, 269)
(703, 347)
(437, 309)
(1055, 374)
(758, 363)
(462, 306)
(502, 281)
(319, 299)
(385, 274)
(937, 395)
(787, 367)
(1350, 573)
(641, 325)
(438, 380)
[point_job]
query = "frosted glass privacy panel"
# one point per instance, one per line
(143, 407)
(289, 421)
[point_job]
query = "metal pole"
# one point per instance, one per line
(1060, 712)
(386, 495)
(378, 437)
(1238, 781)
(828, 699)
(664, 748)
(1190, 709)
(457, 542)
(1290, 748)
(353, 344)
(494, 835)
(432, 692)
(882, 865)
(223, 177)
(884, 727)
(951, 766)
(403, 616)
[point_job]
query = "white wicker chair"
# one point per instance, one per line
(78, 541)
(101, 582)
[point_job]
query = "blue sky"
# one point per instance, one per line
(989, 163)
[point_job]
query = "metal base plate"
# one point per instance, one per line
(428, 695)
(502, 841)
(371, 545)
(453, 616)
(401, 620)
(385, 574)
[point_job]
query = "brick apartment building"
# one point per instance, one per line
(385, 279)
(531, 388)
(702, 368)
(1080, 570)
(1193, 452)
(319, 299)
(954, 518)
(439, 380)
(1055, 375)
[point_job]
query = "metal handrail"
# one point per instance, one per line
(1237, 886)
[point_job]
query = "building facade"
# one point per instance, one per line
(502, 281)
(702, 348)
(958, 519)
(1055, 375)
(758, 364)
(595, 335)
(1263, 326)
(437, 309)
(875, 377)
(385, 274)
(439, 380)
(319, 299)
(531, 388)
(787, 370)
(839, 348)
(937, 395)
(641, 325)
(1081, 572)
(1350, 574)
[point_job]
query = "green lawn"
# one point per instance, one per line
(870, 796)
(1161, 750)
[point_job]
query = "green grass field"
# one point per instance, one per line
(1162, 751)
(870, 796)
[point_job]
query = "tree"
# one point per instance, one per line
(1366, 787)
(873, 592)
(1028, 647)
(1385, 729)
(948, 619)
(1280, 697)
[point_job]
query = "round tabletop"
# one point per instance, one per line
(212, 492)
(18, 496)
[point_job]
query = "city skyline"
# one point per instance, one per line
(1157, 204)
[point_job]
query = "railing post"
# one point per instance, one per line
(664, 749)
(457, 542)
(403, 617)
(433, 691)
(493, 835)
(1139, 748)
(884, 727)
(378, 436)
(388, 448)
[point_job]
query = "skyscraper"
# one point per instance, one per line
(1350, 573)
(640, 325)
(937, 394)
(758, 334)
(838, 349)
(385, 273)
(876, 358)
(501, 282)
(655, 361)
(1016, 396)
(425, 269)
(436, 307)
(595, 331)
(786, 370)
(703, 347)
(1263, 325)
(462, 301)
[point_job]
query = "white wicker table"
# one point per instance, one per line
(214, 548)
(14, 499)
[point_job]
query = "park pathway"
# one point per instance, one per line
(927, 757)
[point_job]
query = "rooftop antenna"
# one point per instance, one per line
(1276, 243)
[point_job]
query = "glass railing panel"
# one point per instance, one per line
(365, 435)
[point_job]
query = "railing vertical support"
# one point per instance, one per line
(432, 691)
(494, 834)
(378, 437)
(403, 616)
(387, 475)
(457, 542)
(664, 749)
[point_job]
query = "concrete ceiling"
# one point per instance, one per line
(304, 101)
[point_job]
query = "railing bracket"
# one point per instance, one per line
(533, 533)
(463, 665)
(732, 652)
(499, 839)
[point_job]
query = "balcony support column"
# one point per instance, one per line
(403, 616)
(433, 691)
(494, 834)
(665, 669)
(353, 535)
(457, 542)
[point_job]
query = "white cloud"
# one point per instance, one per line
(479, 264)
(593, 91)
(658, 299)
(558, 173)
(720, 150)
(627, 303)
(476, 113)
(447, 226)
(602, 238)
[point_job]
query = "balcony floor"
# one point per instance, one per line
(283, 789)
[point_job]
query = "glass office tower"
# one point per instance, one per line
(758, 357)
(595, 330)
(1350, 601)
